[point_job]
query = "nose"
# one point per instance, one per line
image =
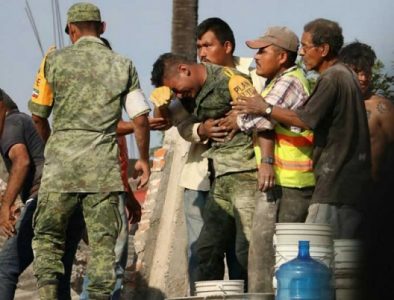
(362, 76)
(202, 52)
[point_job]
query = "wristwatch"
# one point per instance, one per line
(267, 160)
(268, 110)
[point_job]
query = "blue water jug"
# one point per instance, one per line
(303, 278)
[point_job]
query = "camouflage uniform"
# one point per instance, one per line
(230, 207)
(81, 158)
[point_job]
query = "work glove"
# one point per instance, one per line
(161, 96)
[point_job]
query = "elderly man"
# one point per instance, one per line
(335, 113)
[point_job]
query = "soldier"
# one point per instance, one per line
(90, 83)
(230, 206)
(22, 150)
(216, 45)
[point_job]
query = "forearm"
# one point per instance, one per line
(287, 117)
(42, 126)
(15, 182)
(124, 127)
(142, 136)
(266, 142)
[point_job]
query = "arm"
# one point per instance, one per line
(142, 137)
(19, 157)
(42, 126)
(257, 106)
(266, 174)
(124, 127)
(127, 127)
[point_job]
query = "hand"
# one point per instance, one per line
(210, 129)
(142, 170)
(158, 123)
(133, 207)
(266, 177)
(161, 96)
(250, 105)
(230, 122)
(7, 223)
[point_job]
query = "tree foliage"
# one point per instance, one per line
(383, 84)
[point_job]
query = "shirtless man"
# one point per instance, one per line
(380, 207)
(380, 111)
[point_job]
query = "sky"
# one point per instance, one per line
(141, 31)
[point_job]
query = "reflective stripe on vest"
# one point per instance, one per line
(293, 148)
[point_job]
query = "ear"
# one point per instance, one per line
(282, 57)
(184, 69)
(73, 31)
(102, 27)
(325, 50)
(228, 47)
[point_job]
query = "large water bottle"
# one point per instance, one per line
(303, 278)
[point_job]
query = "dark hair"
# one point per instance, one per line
(8, 102)
(324, 31)
(291, 56)
(164, 66)
(358, 56)
(88, 25)
(220, 28)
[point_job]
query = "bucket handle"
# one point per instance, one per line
(220, 286)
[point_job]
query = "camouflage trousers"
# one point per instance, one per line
(227, 214)
(103, 224)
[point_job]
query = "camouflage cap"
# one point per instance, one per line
(83, 11)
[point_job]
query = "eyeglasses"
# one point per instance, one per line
(306, 48)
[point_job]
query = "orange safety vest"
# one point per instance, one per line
(293, 147)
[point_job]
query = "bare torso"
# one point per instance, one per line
(380, 112)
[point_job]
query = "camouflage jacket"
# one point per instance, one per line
(88, 82)
(213, 101)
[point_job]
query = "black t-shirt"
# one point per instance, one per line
(20, 129)
(342, 160)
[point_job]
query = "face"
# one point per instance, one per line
(311, 54)
(268, 61)
(364, 78)
(183, 83)
(211, 50)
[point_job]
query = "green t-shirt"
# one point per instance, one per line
(88, 81)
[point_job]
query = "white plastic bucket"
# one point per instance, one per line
(219, 287)
(286, 239)
(348, 265)
(286, 252)
(348, 254)
(291, 233)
